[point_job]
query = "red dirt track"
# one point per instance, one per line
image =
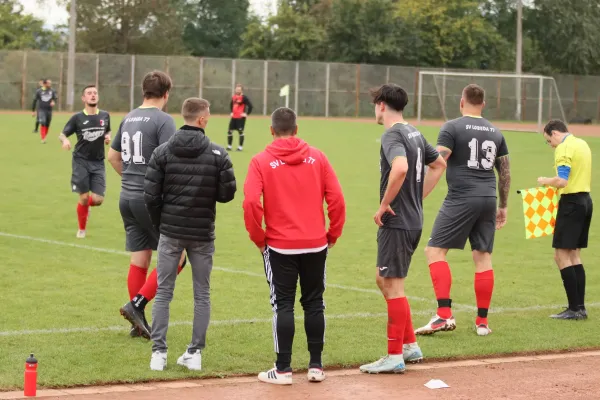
(557, 376)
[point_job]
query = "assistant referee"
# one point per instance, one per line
(573, 164)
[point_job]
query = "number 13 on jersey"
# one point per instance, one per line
(489, 154)
(127, 150)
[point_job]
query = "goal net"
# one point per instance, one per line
(531, 100)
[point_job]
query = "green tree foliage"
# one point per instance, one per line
(214, 28)
(568, 35)
(129, 26)
(20, 31)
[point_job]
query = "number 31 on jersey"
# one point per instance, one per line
(126, 150)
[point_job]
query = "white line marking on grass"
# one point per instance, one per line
(228, 270)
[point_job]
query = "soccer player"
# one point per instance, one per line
(88, 178)
(241, 107)
(186, 215)
(472, 147)
(293, 179)
(43, 103)
(404, 153)
(140, 132)
(37, 121)
(573, 164)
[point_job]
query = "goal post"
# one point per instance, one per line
(439, 93)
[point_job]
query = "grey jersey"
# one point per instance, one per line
(140, 132)
(404, 140)
(475, 144)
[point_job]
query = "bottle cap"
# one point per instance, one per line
(31, 359)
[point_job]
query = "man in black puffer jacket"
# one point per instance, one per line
(185, 179)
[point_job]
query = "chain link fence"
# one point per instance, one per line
(316, 89)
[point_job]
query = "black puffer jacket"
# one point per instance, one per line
(185, 178)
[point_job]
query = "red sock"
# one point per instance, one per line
(442, 282)
(44, 132)
(396, 324)
(409, 331)
(82, 215)
(90, 201)
(484, 286)
(135, 279)
(151, 286)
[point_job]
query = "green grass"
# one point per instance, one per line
(50, 286)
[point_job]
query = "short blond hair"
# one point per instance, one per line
(193, 107)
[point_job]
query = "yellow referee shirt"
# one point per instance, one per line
(575, 154)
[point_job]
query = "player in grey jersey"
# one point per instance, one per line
(140, 132)
(404, 154)
(473, 147)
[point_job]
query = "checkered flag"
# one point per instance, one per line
(539, 208)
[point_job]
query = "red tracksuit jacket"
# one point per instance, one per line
(293, 179)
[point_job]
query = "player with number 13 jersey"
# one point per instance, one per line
(140, 133)
(473, 208)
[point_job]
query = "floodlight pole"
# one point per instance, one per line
(518, 70)
(71, 56)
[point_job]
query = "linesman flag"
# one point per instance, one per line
(539, 207)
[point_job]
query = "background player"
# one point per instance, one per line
(403, 156)
(573, 164)
(37, 121)
(241, 107)
(92, 127)
(140, 132)
(473, 147)
(43, 103)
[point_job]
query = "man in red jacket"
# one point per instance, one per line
(293, 179)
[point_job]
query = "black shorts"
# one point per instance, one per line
(461, 219)
(44, 117)
(573, 220)
(88, 176)
(395, 248)
(237, 124)
(140, 233)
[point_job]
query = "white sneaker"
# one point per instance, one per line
(315, 375)
(412, 353)
(158, 362)
(275, 377)
(229, 147)
(483, 330)
(80, 234)
(240, 148)
(437, 324)
(192, 361)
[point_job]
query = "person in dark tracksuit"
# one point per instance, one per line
(43, 103)
(185, 179)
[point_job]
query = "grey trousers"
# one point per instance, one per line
(200, 256)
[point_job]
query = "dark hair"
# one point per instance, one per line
(555, 125)
(283, 121)
(474, 94)
(390, 94)
(156, 84)
(86, 88)
(192, 108)
(44, 81)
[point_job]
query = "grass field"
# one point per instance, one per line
(61, 300)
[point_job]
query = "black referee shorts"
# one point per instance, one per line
(237, 124)
(573, 220)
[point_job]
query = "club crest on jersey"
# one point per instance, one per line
(101, 122)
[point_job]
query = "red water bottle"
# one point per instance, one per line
(31, 376)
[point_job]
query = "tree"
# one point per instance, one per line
(129, 26)
(568, 35)
(22, 31)
(364, 31)
(287, 35)
(214, 28)
(452, 33)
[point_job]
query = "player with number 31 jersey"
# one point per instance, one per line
(140, 132)
(473, 208)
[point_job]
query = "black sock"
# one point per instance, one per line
(229, 138)
(241, 138)
(284, 362)
(580, 273)
(139, 302)
(37, 125)
(569, 279)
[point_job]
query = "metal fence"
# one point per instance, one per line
(316, 89)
